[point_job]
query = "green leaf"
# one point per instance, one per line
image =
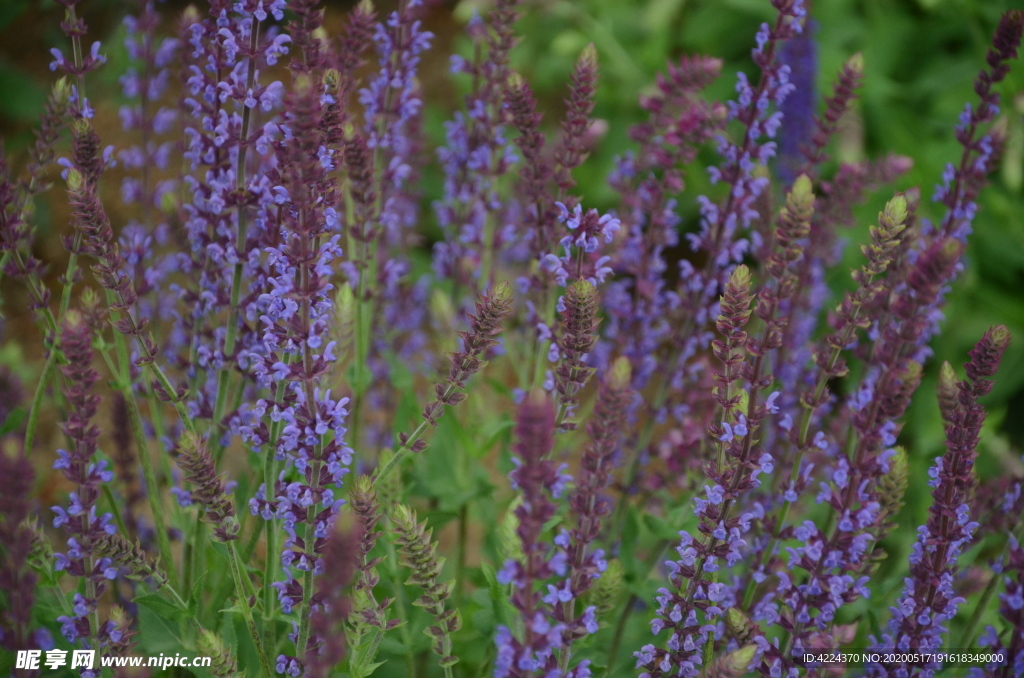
(660, 527)
(358, 380)
(163, 607)
(491, 432)
(196, 596)
(627, 552)
(370, 668)
(14, 419)
(157, 634)
(500, 604)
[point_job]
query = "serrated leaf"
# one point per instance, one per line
(162, 606)
(500, 604)
(157, 634)
(196, 596)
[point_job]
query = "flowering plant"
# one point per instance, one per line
(278, 407)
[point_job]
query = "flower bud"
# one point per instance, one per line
(74, 180)
(896, 209)
(81, 127)
(168, 202)
(736, 662)
(331, 78)
(303, 84)
(891, 489)
(509, 545)
(588, 57)
(62, 92)
(947, 391)
(515, 82)
(856, 62)
(608, 588)
(223, 664)
(739, 625)
(621, 374)
(502, 294)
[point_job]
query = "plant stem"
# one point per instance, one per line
(243, 603)
(236, 279)
(37, 399)
(403, 609)
(401, 451)
(142, 445)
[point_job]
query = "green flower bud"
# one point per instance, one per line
(608, 588)
(74, 180)
(856, 63)
(62, 92)
(947, 391)
(739, 625)
(588, 57)
(502, 293)
(891, 489)
(621, 374)
(222, 664)
(510, 547)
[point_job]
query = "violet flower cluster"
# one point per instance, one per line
(264, 295)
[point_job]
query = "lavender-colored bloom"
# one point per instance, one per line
(144, 85)
(639, 306)
(587, 231)
(723, 236)
(800, 54)
(1011, 609)
(81, 519)
(328, 621)
(929, 600)
(537, 478)
(589, 504)
(81, 63)
(961, 183)
(231, 207)
(475, 155)
(296, 311)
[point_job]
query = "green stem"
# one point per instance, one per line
(109, 496)
(460, 561)
(271, 557)
(403, 608)
(37, 399)
(539, 359)
(243, 603)
(36, 290)
(371, 652)
(226, 585)
(401, 451)
(399, 454)
(142, 445)
(968, 637)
